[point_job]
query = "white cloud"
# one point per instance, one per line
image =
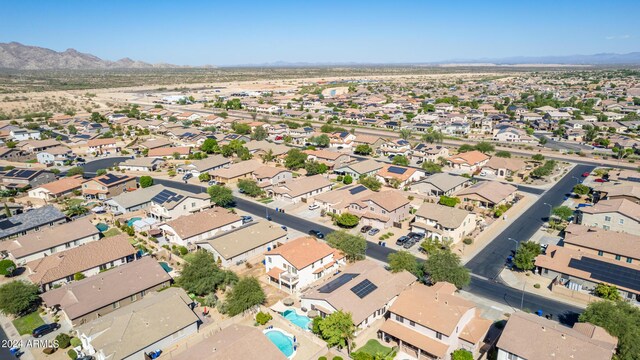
(618, 37)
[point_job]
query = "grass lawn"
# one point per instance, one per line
(27, 323)
(373, 347)
(111, 232)
(74, 202)
(266, 200)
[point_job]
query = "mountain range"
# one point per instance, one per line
(17, 56)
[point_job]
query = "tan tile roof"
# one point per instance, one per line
(446, 216)
(202, 221)
(535, 338)
(367, 139)
(389, 200)
(505, 163)
(303, 251)
(366, 166)
(241, 240)
(325, 154)
(64, 185)
(85, 257)
(238, 169)
(49, 237)
(101, 142)
(470, 158)
(169, 151)
(432, 346)
(268, 171)
(385, 173)
(476, 330)
(302, 185)
(494, 191)
(622, 206)
(627, 245)
(82, 297)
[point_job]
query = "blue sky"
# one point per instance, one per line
(251, 32)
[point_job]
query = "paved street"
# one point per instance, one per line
(4, 351)
(91, 167)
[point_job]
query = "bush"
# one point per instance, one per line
(183, 250)
(337, 358)
(340, 178)
(322, 358)
(63, 340)
(263, 318)
(348, 179)
(468, 241)
(72, 354)
(75, 342)
(51, 350)
(7, 267)
(537, 286)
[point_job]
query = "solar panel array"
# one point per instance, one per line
(364, 288)
(336, 283)
(110, 179)
(166, 196)
(608, 273)
(19, 173)
(358, 189)
(397, 170)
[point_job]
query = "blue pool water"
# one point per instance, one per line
(300, 321)
(282, 341)
(132, 220)
(166, 266)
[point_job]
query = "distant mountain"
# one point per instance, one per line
(595, 59)
(17, 56)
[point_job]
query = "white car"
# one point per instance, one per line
(314, 206)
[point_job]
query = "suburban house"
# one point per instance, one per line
(547, 339)
(268, 175)
(11, 209)
(26, 178)
(145, 164)
(14, 154)
(155, 144)
(103, 146)
(198, 167)
(396, 147)
(88, 259)
(339, 200)
(173, 203)
(235, 172)
(341, 140)
(468, 161)
(133, 200)
(428, 152)
(504, 167)
(24, 134)
(57, 155)
(605, 191)
(365, 289)
(91, 298)
(156, 322)
(181, 152)
(440, 184)
(332, 159)
(443, 222)
(49, 241)
(35, 146)
(242, 244)
(431, 322)
(301, 188)
(359, 169)
(108, 186)
(488, 194)
(597, 241)
(233, 342)
(300, 262)
(57, 189)
(381, 209)
(373, 141)
(31, 221)
(619, 215)
(399, 176)
(187, 230)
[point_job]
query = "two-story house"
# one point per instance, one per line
(619, 215)
(428, 152)
(107, 186)
(443, 222)
(396, 147)
(103, 146)
(173, 203)
(26, 178)
(188, 229)
(57, 155)
(381, 209)
(468, 161)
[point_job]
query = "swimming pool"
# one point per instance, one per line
(165, 266)
(298, 320)
(132, 220)
(283, 341)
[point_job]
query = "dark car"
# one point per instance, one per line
(45, 329)
(246, 219)
(401, 240)
(366, 228)
(316, 233)
(410, 243)
(416, 236)
(187, 176)
(88, 357)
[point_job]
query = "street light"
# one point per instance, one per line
(550, 209)
(577, 180)
(515, 241)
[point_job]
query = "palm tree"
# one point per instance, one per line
(268, 156)
(433, 137)
(405, 134)
(76, 210)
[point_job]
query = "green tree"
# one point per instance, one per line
(244, 295)
(370, 182)
(543, 140)
(608, 292)
(581, 189)
(250, 187)
(461, 354)
(363, 149)
(337, 329)
(210, 146)
(403, 260)
(76, 210)
(7, 211)
(18, 297)
(72, 129)
(7, 267)
(484, 147)
(220, 195)
(63, 340)
(268, 156)
(503, 154)
(78, 170)
(146, 181)
(78, 276)
(465, 148)
(620, 319)
(526, 255)
(204, 177)
(353, 246)
(101, 172)
(347, 179)
(259, 133)
(295, 159)
(400, 160)
(201, 276)
(405, 134)
(563, 212)
(321, 140)
(444, 265)
(433, 137)
(431, 167)
(346, 220)
(538, 157)
(314, 167)
(448, 201)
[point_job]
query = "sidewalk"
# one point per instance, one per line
(12, 335)
(518, 280)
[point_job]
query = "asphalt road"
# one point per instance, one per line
(486, 288)
(491, 260)
(91, 167)
(4, 351)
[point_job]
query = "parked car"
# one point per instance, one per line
(45, 329)
(402, 240)
(373, 231)
(599, 180)
(212, 182)
(316, 233)
(586, 174)
(88, 357)
(416, 236)
(187, 176)
(284, 228)
(410, 243)
(246, 219)
(543, 248)
(366, 228)
(314, 206)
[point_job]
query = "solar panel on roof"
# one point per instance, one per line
(364, 288)
(397, 170)
(607, 272)
(336, 283)
(163, 196)
(358, 189)
(110, 178)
